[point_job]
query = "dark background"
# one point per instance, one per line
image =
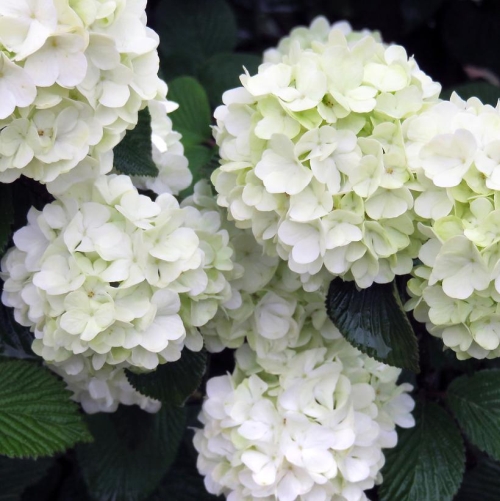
(454, 41)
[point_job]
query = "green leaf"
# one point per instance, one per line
(428, 462)
(198, 156)
(173, 382)
(222, 72)
(183, 482)
(15, 339)
(475, 401)
(131, 453)
(6, 215)
(486, 92)
(37, 417)
(482, 483)
(195, 29)
(374, 321)
(18, 474)
(133, 155)
(192, 118)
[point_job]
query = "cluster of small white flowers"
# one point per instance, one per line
(454, 150)
(102, 390)
(167, 152)
(73, 76)
(109, 274)
(313, 430)
(312, 154)
(277, 319)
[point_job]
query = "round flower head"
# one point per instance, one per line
(167, 152)
(276, 320)
(312, 154)
(313, 430)
(454, 150)
(109, 274)
(102, 390)
(73, 77)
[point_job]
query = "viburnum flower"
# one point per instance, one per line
(452, 150)
(109, 274)
(312, 153)
(100, 390)
(75, 75)
(315, 429)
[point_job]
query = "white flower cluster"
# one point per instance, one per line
(312, 154)
(276, 320)
(102, 390)
(107, 273)
(454, 150)
(305, 416)
(73, 76)
(314, 430)
(167, 152)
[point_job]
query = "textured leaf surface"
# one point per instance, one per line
(173, 382)
(475, 401)
(195, 29)
(192, 118)
(222, 72)
(482, 483)
(133, 155)
(428, 462)
(6, 215)
(374, 321)
(131, 453)
(18, 474)
(37, 417)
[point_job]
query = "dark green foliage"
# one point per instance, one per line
(374, 321)
(486, 92)
(133, 155)
(15, 340)
(37, 418)
(6, 215)
(195, 29)
(482, 483)
(222, 71)
(429, 460)
(18, 474)
(173, 382)
(475, 401)
(192, 118)
(131, 453)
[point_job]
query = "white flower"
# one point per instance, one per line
(16, 86)
(100, 390)
(79, 72)
(108, 274)
(316, 132)
(313, 429)
(451, 148)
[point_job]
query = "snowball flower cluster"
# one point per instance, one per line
(102, 390)
(73, 76)
(454, 150)
(111, 275)
(314, 430)
(277, 320)
(312, 154)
